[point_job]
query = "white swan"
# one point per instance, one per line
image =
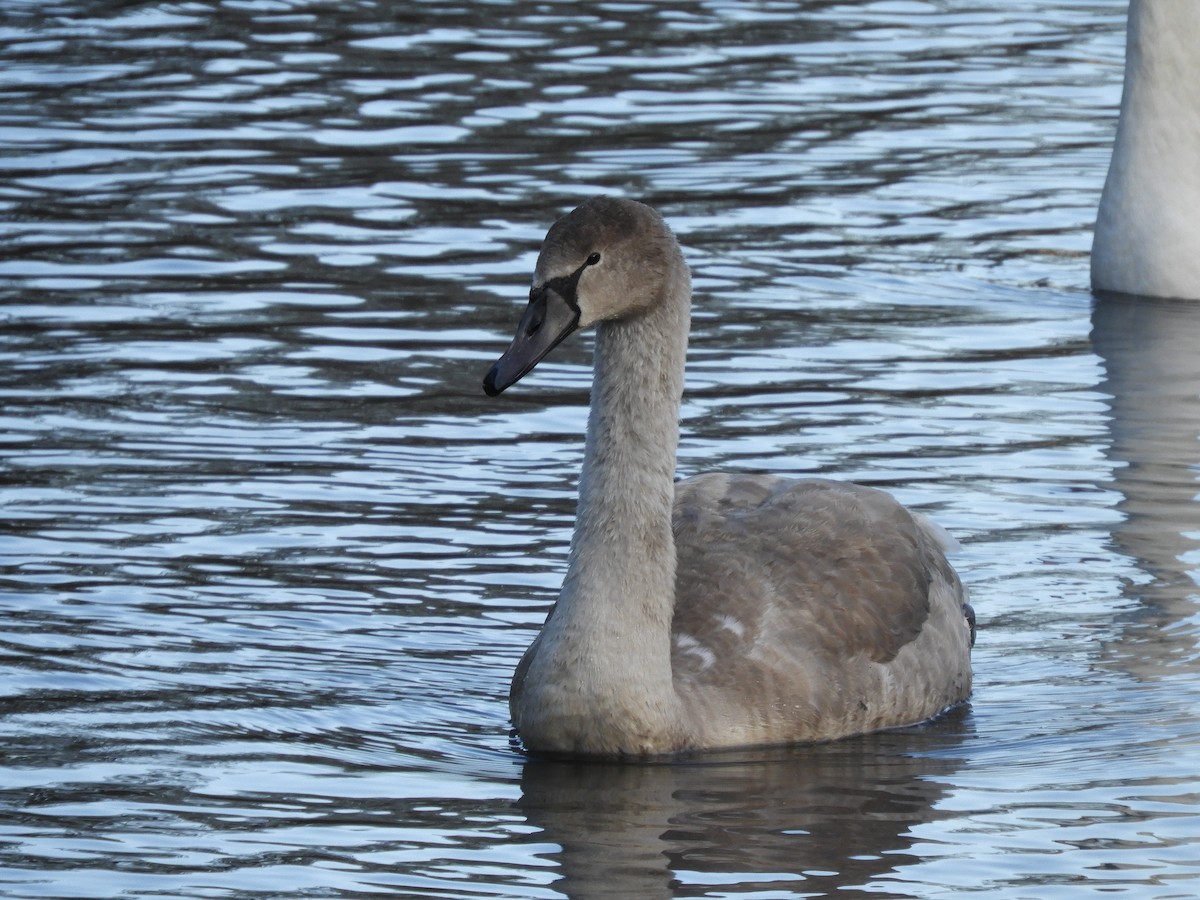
(1147, 237)
(725, 610)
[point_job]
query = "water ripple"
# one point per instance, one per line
(268, 557)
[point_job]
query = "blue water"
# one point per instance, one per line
(268, 555)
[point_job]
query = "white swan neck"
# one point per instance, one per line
(1161, 62)
(1147, 237)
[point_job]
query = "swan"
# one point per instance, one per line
(1147, 235)
(724, 610)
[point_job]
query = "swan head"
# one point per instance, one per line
(607, 259)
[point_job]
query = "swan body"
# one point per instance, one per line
(1147, 236)
(722, 610)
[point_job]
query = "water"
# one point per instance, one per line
(269, 555)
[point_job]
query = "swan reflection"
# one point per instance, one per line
(801, 819)
(1151, 354)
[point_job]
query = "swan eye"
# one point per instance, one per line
(593, 259)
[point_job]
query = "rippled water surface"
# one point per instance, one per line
(269, 555)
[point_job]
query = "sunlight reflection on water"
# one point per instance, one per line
(270, 557)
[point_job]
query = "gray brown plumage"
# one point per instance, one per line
(725, 610)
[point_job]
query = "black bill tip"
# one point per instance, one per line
(489, 383)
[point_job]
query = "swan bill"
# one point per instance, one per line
(549, 317)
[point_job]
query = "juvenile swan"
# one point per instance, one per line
(725, 610)
(1147, 238)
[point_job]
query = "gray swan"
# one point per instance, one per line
(1147, 237)
(724, 610)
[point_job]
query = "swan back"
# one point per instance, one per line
(832, 589)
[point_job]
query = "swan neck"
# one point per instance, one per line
(609, 635)
(1147, 234)
(626, 489)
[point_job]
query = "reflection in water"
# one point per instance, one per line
(744, 823)
(1151, 353)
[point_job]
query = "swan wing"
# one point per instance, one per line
(835, 568)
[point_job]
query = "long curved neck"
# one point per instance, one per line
(612, 622)
(626, 489)
(1147, 238)
(627, 486)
